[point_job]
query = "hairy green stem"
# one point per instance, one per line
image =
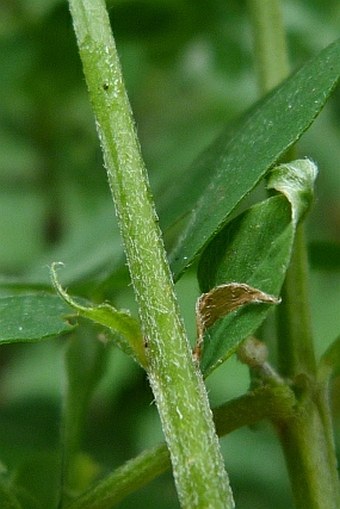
(177, 384)
(274, 403)
(306, 438)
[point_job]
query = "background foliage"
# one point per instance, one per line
(188, 72)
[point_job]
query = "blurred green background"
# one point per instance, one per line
(189, 70)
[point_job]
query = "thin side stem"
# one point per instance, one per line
(310, 453)
(269, 43)
(127, 479)
(85, 359)
(295, 342)
(177, 384)
(296, 350)
(306, 438)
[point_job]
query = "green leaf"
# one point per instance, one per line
(30, 318)
(254, 249)
(257, 144)
(127, 331)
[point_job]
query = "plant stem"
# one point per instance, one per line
(296, 350)
(295, 341)
(269, 42)
(84, 362)
(176, 382)
(309, 452)
(306, 437)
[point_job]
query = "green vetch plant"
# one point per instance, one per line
(248, 264)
